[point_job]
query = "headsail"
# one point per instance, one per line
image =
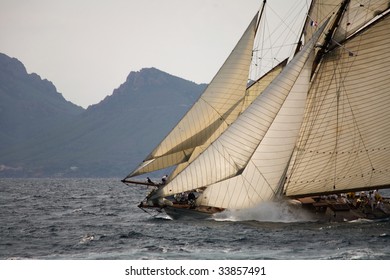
(261, 84)
(236, 153)
(344, 142)
(215, 110)
(251, 94)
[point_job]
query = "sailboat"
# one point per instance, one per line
(314, 129)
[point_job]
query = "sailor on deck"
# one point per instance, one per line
(164, 179)
(150, 181)
(191, 199)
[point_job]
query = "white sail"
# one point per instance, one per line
(344, 143)
(232, 151)
(251, 94)
(215, 110)
(261, 177)
(261, 84)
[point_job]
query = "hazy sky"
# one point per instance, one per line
(88, 47)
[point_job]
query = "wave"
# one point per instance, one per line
(270, 211)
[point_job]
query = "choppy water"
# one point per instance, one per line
(99, 219)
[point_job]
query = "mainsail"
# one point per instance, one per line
(344, 141)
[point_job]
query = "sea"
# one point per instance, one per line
(98, 219)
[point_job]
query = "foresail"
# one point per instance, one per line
(229, 155)
(251, 94)
(215, 110)
(344, 143)
(164, 161)
(261, 84)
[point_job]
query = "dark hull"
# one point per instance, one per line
(179, 211)
(335, 211)
(185, 213)
(322, 210)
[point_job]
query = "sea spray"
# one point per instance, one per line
(283, 211)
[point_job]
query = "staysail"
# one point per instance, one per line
(261, 84)
(344, 140)
(232, 167)
(251, 94)
(216, 109)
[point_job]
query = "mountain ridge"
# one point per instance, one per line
(107, 139)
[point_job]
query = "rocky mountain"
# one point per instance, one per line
(28, 104)
(47, 136)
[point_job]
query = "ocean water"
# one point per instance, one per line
(80, 219)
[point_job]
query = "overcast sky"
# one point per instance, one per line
(88, 47)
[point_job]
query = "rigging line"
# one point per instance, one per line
(305, 24)
(314, 115)
(155, 215)
(274, 47)
(290, 12)
(275, 31)
(337, 133)
(265, 179)
(329, 35)
(258, 39)
(256, 29)
(260, 16)
(351, 53)
(316, 104)
(353, 114)
(248, 187)
(262, 39)
(342, 90)
(328, 111)
(286, 38)
(224, 116)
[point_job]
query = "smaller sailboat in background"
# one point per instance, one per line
(313, 127)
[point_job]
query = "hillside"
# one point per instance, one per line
(28, 104)
(59, 139)
(29, 108)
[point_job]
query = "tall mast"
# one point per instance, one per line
(329, 36)
(299, 43)
(260, 16)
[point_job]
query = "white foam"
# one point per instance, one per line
(270, 211)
